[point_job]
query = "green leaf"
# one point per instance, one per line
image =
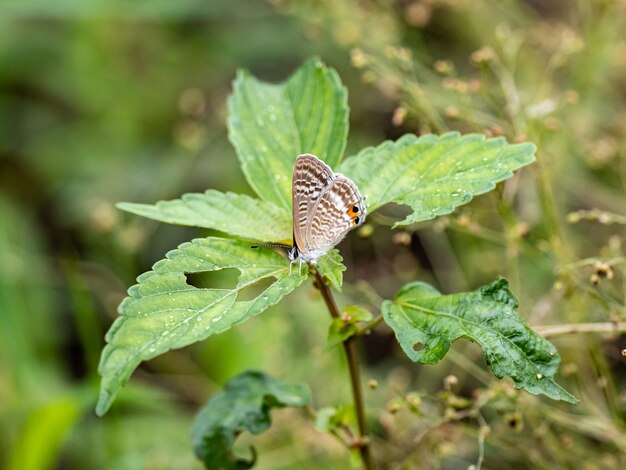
(420, 315)
(331, 418)
(164, 312)
(244, 404)
(345, 326)
(331, 268)
(235, 214)
(356, 314)
(434, 174)
(38, 444)
(270, 125)
(324, 419)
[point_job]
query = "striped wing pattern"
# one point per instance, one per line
(311, 177)
(325, 207)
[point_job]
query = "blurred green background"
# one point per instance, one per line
(108, 101)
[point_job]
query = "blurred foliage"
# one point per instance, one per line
(245, 404)
(103, 102)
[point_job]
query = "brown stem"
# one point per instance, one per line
(355, 376)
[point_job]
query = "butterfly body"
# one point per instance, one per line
(326, 206)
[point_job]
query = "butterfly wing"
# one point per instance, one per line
(340, 208)
(311, 178)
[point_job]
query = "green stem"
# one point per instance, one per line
(370, 326)
(355, 376)
(573, 328)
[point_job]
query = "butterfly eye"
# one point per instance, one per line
(355, 209)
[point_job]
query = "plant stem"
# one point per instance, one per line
(370, 326)
(355, 376)
(570, 328)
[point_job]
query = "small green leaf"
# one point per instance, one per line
(330, 418)
(270, 125)
(421, 316)
(331, 268)
(434, 174)
(324, 419)
(164, 312)
(342, 328)
(339, 331)
(235, 214)
(356, 314)
(244, 404)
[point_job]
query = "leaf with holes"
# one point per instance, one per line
(235, 214)
(434, 174)
(420, 315)
(164, 312)
(243, 405)
(271, 124)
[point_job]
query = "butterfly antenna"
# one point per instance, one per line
(279, 245)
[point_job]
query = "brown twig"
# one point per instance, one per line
(363, 443)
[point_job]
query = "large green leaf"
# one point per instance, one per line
(235, 214)
(244, 404)
(164, 312)
(434, 174)
(421, 317)
(270, 125)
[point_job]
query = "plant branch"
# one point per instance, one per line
(369, 326)
(363, 442)
(570, 328)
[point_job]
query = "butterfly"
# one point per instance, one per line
(326, 206)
